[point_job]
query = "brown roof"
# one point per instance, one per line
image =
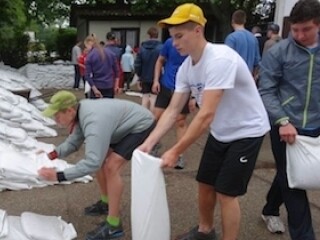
(118, 12)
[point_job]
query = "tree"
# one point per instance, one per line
(12, 17)
(222, 9)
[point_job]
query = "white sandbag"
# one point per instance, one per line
(13, 133)
(19, 170)
(303, 163)
(40, 227)
(149, 207)
(87, 87)
(39, 103)
(15, 229)
(5, 106)
(4, 226)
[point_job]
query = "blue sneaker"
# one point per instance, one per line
(105, 231)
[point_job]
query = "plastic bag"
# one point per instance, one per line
(149, 207)
(303, 163)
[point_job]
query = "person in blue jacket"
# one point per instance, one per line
(289, 87)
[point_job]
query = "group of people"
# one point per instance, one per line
(237, 113)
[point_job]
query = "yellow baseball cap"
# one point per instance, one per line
(184, 13)
(60, 101)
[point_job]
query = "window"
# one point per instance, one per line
(127, 36)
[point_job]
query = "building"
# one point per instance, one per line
(130, 27)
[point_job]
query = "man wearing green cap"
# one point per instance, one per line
(229, 105)
(112, 129)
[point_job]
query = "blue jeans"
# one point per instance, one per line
(295, 200)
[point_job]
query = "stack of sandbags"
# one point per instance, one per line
(19, 171)
(32, 226)
(16, 111)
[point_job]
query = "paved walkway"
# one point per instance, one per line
(68, 201)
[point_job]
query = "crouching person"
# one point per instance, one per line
(111, 129)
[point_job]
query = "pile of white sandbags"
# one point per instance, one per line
(17, 112)
(50, 76)
(12, 80)
(32, 226)
(19, 170)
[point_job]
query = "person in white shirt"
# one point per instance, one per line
(230, 106)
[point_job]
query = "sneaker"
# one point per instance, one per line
(194, 234)
(180, 163)
(97, 209)
(274, 224)
(105, 231)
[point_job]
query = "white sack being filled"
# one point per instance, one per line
(149, 207)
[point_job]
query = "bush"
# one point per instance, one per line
(66, 39)
(37, 52)
(13, 52)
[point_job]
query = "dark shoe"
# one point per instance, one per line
(105, 232)
(97, 209)
(194, 234)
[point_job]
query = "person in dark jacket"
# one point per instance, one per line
(144, 67)
(113, 45)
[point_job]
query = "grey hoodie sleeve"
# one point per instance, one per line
(72, 143)
(97, 133)
(271, 76)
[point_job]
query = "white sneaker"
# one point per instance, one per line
(274, 224)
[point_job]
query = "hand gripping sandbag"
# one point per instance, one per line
(149, 206)
(303, 163)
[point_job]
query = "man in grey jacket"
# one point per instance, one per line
(112, 129)
(290, 86)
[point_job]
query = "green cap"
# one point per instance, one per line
(60, 101)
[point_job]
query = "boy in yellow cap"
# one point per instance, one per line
(112, 129)
(229, 105)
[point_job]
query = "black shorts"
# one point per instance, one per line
(146, 87)
(164, 97)
(228, 166)
(129, 143)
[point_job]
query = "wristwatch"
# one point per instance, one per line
(284, 123)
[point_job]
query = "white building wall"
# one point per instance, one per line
(100, 28)
(283, 9)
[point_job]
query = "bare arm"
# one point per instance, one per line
(157, 73)
(197, 127)
(166, 121)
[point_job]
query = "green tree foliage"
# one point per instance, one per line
(66, 39)
(47, 12)
(12, 17)
(14, 52)
(13, 47)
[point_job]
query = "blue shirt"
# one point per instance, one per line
(173, 62)
(246, 44)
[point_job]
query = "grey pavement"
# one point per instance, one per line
(68, 201)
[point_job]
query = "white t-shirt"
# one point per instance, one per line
(241, 113)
